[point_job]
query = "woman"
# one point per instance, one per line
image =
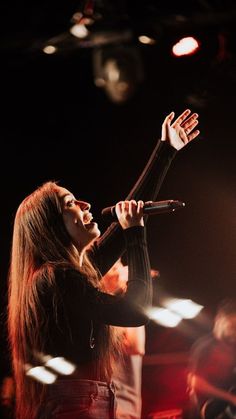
(57, 307)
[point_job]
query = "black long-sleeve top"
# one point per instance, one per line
(83, 311)
(146, 188)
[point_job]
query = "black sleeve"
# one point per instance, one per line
(111, 245)
(150, 180)
(126, 310)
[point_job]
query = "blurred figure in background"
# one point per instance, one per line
(212, 368)
(127, 374)
(7, 398)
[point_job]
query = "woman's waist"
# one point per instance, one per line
(73, 387)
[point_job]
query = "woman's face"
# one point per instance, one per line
(78, 219)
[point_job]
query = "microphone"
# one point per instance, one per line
(149, 208)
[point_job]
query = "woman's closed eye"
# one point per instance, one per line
(70, 202)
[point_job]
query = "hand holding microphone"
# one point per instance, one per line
(149, 208)
(129, 213)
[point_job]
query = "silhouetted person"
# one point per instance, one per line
(212, 374)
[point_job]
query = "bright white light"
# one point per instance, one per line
(79, 31)
(42, 375)
(60, 365)
(49, 49)
(164, 317)
(187, 309)
(185, 46)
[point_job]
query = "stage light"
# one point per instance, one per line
(41, 374)
(49, 49)
(117, 70)
(79, 31)
(186, 308)
(186, 46)
(164, 317)
(144, 39)
(60, 365)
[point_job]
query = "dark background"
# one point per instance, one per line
(56, 124)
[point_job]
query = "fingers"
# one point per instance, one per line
(188, 123)
(132, 207)
(168, 119)
(140, 205)
(185, 127)
(185, 134)
(193, 135)
(166, 124)
(130, 213)
(181, 118)
(188, 128)
(181, 131)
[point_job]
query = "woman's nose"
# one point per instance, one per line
(84, 205)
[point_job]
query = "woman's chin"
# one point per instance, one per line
(93, 229)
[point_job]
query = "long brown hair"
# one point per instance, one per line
(40, 244)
